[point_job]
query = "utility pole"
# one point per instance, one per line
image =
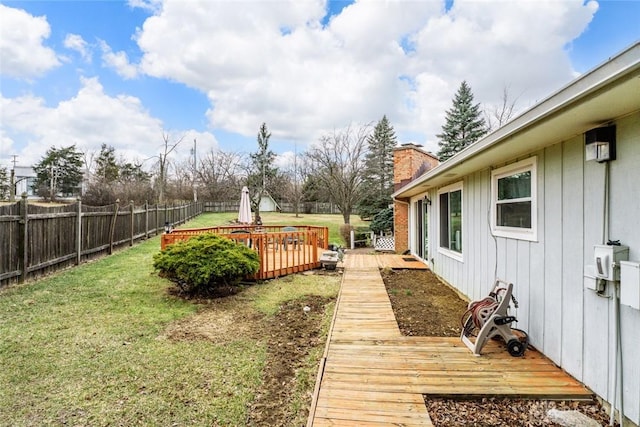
(296, 197)
(53, 181)
(12, 186)
(12, 181)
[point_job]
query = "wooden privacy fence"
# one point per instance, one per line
(282, 250)
(37, 239)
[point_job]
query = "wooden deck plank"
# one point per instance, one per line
(371, 375)
(402, 418)
(324, 422)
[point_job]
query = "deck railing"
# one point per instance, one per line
(282, 250)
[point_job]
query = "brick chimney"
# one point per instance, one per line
(409, 162)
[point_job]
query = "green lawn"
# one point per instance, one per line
(85, 346)
(273, 218)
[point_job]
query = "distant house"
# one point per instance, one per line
(25, 178)
(528, 205)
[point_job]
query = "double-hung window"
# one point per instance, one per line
(450, 220)
(513, 193)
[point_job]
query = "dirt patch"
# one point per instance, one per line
(291, 334)
(424, 306)
(221, 321)
(289, 337)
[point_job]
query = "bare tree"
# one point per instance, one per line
(293, 176)
(168, 147)
(338, 160)
(498, 115)
(220, 174)
(180, 186)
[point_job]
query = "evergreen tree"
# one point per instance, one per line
(262, 172)
(377, 180)
(464, 124)
(132, 172)
(59, 172)
(107, 169)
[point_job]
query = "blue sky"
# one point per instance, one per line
(124, 72)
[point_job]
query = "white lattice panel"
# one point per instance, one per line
(385, 244)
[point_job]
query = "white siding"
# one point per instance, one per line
(570, 324)
(552, 213)
(572, 257)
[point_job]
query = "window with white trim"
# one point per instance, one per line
(513, 198)
(450, 219)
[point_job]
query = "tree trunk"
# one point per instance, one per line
(346, 215)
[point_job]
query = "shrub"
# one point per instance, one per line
(361, 235)
(206, 261)
(345, 233)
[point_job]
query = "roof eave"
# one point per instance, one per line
(625, 67)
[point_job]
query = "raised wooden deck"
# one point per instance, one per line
(371, 375)
(282, 250)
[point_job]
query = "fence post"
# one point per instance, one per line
(113, 226)
(146, 219)
(155, 216)
(79, 231)
(25, 237)
(131, 222)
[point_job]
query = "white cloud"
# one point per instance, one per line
(275, 62)
(118, 61)
(21, 49)
(148, 5)
(88, 120)
(77, 43)
(6, 148)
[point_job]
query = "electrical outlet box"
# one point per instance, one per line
(606, 260)
(591, 282)
(630, 284)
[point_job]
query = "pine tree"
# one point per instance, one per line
(59, 171)
(262, 173)
(107, 169)
(464, 124)
(377, 181)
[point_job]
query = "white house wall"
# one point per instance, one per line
(568, 323)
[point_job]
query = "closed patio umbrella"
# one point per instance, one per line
(244, 215)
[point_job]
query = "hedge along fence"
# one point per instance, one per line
(35, 239)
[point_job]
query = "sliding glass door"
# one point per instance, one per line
(422, 228)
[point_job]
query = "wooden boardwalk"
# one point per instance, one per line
(371, 375)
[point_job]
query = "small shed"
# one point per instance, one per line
(268, 204)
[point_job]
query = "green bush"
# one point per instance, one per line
(360, 234)
(206, 261)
